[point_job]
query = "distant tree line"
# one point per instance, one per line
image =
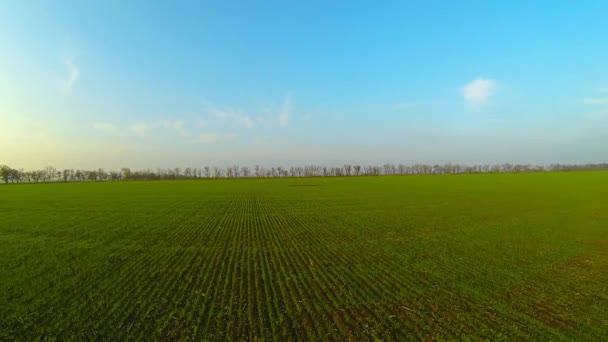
(51, 174)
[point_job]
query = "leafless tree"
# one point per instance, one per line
(50, 174)
(5, 173)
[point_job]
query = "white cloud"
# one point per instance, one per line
(404, 105)
(285, 111)
(218, 113)
(105, 127)
(70, 75)
(140, 128)
(244, 120)
(234, 115)
(200, 123)
(73, 73)
(478, 92)
(206, 138)
(597, 115)
(178, 126)
(595, 100)
(601, 103)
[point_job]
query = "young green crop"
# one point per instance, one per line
(493, 256)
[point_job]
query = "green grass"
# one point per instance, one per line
(505, 256)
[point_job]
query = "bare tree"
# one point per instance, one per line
(5, 173)
(245, 171)
(217, 172)
(50, 174)
(126, 173)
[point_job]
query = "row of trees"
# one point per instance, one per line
(51, 174)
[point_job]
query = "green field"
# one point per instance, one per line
(495, 256)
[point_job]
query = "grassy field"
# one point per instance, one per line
(504, 256)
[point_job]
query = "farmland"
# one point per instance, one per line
(494, 256)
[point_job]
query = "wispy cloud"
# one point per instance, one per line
(177, 126)
(595, 100)
(285, 111)
(105, 127)
(478, 92)
(244, 120)
(68, 77)
(207, 138)
(404, 105)
(235, 115)
(140, 128)
(601, 105)
(200, 123)
(73, 73)
(601, 114)
(69, 72)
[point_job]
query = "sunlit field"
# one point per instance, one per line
(496, 256)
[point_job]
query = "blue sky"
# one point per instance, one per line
(163, 84)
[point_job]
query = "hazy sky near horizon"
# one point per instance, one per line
(149, 84)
